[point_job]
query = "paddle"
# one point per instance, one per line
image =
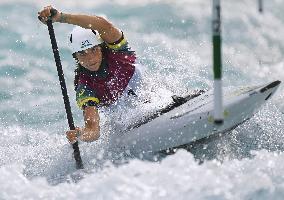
(77, 156)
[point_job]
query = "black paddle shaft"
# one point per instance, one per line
(77, 156)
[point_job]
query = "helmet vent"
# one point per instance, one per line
(71, 38)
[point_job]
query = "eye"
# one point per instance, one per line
(95, 48)
(82, 53)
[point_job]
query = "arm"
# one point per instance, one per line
(108, 32)
(91, 131)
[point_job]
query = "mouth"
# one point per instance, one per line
(92, 65)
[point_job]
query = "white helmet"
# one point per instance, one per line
(81, 39)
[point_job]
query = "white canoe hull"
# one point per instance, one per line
(193, 120)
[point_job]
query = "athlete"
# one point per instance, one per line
(105, 69)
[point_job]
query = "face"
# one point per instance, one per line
(90, 58)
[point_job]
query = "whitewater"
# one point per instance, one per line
(174, 43)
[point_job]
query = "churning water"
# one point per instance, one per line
(173, 42)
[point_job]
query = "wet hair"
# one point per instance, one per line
(76, 71)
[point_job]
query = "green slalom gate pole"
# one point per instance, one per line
(217, 63)
(260, 6)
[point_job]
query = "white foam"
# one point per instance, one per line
(174, 42)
